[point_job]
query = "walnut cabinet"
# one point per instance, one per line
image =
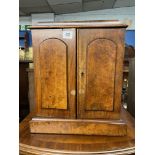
(78, 72)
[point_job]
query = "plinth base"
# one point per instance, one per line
(54, 144)
(78, 126)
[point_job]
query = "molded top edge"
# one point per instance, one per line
(80, 24)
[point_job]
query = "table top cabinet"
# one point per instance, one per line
(78, 70)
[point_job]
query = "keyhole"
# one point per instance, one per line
(82, 73)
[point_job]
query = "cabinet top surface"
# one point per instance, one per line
(80, 24)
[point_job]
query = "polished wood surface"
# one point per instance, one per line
(78, 126)
(100, 67)
(31, 88)
(78, 74)
(53, 144)
(81, 24)
(54, 73)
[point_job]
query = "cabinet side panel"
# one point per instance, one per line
(100, 73)
(53, 64)
(36, 61)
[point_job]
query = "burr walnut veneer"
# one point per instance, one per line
(78, 78)
(58, 144)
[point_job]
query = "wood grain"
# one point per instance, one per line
(78, 127)
(81, 24)
(31, 88)
(54, 73)
(88, 61)
(100, 67)
(76, 144)
(100, 57)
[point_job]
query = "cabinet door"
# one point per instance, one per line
(54, 66)
(100, 62)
